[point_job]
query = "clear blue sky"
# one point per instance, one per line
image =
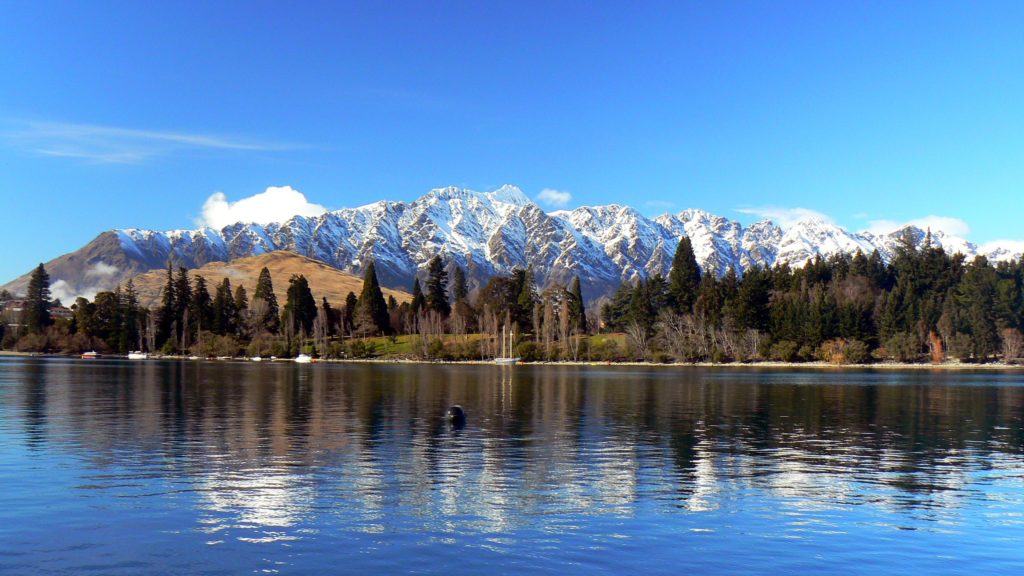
(131, 114)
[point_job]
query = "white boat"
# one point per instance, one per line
(90, 355)
(303, 358)
(510, 359)
(137, 355)
(256, 359)
(193, 357)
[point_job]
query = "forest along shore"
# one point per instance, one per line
(921, 305)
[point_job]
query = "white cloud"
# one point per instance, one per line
(947, 224)
(101, 270)
(67, 294)
(1010, 246)
(554, 198)
(785, 217)
(276, 204)
(115, 144)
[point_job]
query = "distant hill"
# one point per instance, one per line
(323, 280)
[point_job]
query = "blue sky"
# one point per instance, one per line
(128, 114)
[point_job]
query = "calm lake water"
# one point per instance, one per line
(116, 467)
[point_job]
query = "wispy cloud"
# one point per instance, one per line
(554, 198)
(947, 224)
(785, 217)
(115, 144)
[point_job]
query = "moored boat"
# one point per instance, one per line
(303, 358)
(92, 354)
(510, 359)
(137, 355)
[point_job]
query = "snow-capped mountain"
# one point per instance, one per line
(490, 233)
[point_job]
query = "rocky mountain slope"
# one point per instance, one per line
(486, 233)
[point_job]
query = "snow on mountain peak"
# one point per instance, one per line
(490, 233)
(510, 194)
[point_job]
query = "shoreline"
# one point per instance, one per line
(822, 366)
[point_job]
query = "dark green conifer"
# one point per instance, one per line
(301, 307)
(459, 290)
(265, 303)
(241, 299)
(36, 313)
(418, 300)
(684, 278)
(349, 313)
(577, 312)
(437, 287)
(225, 315)
(200, 309)
(166, 313)
(372, 311)
(131, 318)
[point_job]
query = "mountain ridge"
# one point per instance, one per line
(486, 233)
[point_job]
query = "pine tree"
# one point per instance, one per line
(577, 313)
(641, 305)
(709, 302)
(200, 309)
(130, 317)
(182, 302)
(437, 287)
(225, 315)
(976, 296)
(241, 299)
(301, 308)
(526, 299)
(728, 289)
(459, 290)
(330, 316)
(752, 300)
(168, 306)
(349, 313)
(418, 301)
(269, 319)
(36, 314)
(372, 312)
(684, 279)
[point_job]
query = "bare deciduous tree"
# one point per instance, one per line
(637, 335)
(1013, 344)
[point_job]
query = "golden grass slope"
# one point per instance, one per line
(323, 280)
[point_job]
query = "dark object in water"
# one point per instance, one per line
(456, 415)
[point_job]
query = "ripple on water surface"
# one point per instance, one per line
(125, 468)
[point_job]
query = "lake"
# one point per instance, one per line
(118, 467)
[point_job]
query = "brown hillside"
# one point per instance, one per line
(323, 280)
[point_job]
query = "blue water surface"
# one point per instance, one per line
(117, 467)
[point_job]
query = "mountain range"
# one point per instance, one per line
(486, 233)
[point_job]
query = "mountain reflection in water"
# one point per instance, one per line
(354, 466)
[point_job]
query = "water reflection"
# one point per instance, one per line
(281, 453)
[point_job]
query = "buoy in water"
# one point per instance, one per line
(456, 415)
